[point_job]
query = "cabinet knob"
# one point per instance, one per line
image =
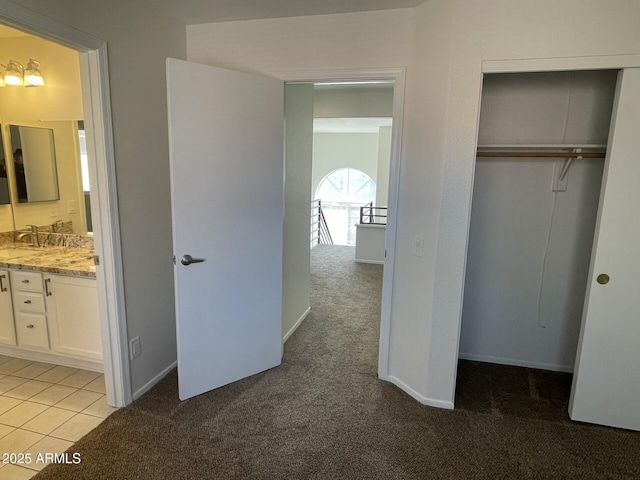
(603, 279)
(25, 281)
(27, 302)
(30, 325)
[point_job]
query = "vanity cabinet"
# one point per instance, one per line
(72, 314)
(29, 310)
(7, 327)
(50, 318)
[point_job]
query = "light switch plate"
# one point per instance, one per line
(135, 348)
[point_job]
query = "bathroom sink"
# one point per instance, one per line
(9, 253)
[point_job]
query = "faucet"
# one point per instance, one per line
(33, 233)
(56, 226)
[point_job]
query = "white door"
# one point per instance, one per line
(226, 149)
(606, 382)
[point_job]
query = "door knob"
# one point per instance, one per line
(188, 260)
(603, 279)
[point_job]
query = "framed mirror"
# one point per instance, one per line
(5, 198)
(34, 162)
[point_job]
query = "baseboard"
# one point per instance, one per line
(516, 363)
(147, 386)
(45, 357)
(431, 402)
(375, 262)
(296, 325)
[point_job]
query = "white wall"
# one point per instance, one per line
(384, 160)
(296, 259)
(442, 43)
(139, 40)
(355, 149)
(353, 101)
(511, 214)
(513, 206)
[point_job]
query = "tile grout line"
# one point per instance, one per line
(75, 413)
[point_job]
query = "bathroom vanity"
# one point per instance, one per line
(49, 305)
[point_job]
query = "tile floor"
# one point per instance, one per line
(45, 408)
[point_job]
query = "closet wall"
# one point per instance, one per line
(529, 247)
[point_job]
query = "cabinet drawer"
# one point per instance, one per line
(31, 331)
(26, 281)
(28, 302)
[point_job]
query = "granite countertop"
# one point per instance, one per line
(73, 262)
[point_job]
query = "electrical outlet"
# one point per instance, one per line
(135, 348)
(71, 206)
(53, 211)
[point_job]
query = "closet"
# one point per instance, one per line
(541, 144)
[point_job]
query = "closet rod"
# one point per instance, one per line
(513, 154)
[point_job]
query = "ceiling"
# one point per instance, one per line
(192, 12)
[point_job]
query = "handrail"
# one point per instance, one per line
(320, 234)
(370, 215)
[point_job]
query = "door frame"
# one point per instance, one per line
(607, 62)
(96, 102)
(397, 75)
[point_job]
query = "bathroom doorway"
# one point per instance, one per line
(95, 99)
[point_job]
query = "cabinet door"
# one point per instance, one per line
(72, 312)
(7, 327)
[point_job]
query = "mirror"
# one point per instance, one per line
(4, 181)
(34, 164)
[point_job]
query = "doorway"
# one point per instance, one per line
(307, 80)
(542, 140)
(95, 99)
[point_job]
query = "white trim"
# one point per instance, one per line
(392, 224)
(420, 398)
(104, 211)
(296, 325)
(46, 357)
(312, 76)
(398, 77)
(605, 62)
(516, 363)
(151, 383)
(97, 107)
(373, 262)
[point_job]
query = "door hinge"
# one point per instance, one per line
(96, 259)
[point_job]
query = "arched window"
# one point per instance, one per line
(342, 193)
(347, 185)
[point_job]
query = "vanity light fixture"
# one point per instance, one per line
(32, 75)
(16, 75)
(13, 73)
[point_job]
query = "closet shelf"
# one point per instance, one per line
(539, 154)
